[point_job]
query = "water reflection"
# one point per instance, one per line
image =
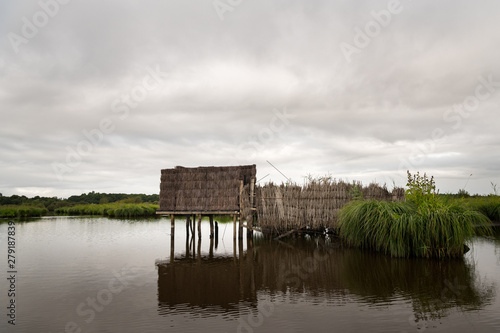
(315, 270)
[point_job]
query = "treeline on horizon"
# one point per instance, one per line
(53, 203)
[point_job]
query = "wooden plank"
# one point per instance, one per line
(286, 234)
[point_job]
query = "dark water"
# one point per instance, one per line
(101, 275)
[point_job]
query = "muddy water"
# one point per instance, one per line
(103, 275)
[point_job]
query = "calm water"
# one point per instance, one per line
(102, 275)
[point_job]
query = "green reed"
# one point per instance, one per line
(423, 226)
(111, 210)
(13, 211)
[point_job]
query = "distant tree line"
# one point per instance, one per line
(52, 203)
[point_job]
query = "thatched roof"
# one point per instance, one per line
(203, 189)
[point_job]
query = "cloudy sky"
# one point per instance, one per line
(101, 95)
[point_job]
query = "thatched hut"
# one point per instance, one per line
(204, 190)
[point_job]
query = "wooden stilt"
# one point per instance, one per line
(199, 248)
(251, 217)
(172, 238)
(234, 248)
(172, 226)
(234, 226)
(241, 267)
(188, 247)
(199, 226)
(211, 226)
(193, 241)
(216, 235)
(250, 263)
(240, 227)
(211, 248)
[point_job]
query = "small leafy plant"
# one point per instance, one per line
(420, 189)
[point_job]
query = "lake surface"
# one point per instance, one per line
(109, 275)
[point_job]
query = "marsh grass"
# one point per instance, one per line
(19, 211)
(489, 206)
(403, 229)
(123, 210)
(423, 226)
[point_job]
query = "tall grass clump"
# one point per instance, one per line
(422, 226)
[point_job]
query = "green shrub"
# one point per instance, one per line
(423, 226)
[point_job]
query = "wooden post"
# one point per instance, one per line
(199, 226)
(199, 249)
(234, 226)
(191, 224)
(188, 247)
(211, 248)
(211, 226)
(216, 235)
(187, 227)
(172, 225)
(241, 267)
(250, 221)
(251, 264)
(234, 246)
(172, 238)
(240, 227)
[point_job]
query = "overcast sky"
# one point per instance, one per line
(102, 95)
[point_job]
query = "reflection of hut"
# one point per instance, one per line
(214, 283)
(319, 269)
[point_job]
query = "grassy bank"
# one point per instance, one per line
(111, 210)
(423, 226)
(14, 211)
(489, 206)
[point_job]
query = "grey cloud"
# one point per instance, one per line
(223, 79)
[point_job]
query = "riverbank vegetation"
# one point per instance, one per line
(52, 203)
(21, 211)
(425, 225)
(92, 203)
(119, 209)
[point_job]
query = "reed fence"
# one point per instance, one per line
(315, 205)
